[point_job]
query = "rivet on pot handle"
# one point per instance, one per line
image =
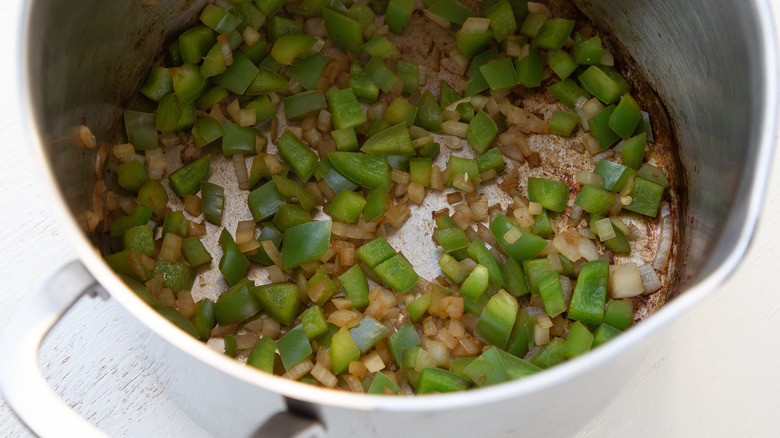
(21, 383)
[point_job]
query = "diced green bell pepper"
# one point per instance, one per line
(405, 337)
(579, 341)
(305, 243)
(370, 171)
(397, 273)
(194, 252)
(262, 355)
(293, 347)
(131, 175)
(594, 200)
(590, 293)
(514, 276)
(300, 157)
(553, 195)
(178, 320)
(633, 151)
(186, 181)
(552, 294)
(551, 353)
(290, 215)
(645, 197)
(264, 201)
(563, 123)
(236, 304)
(619, 314)
(344, 31)
(497, 319)
(345, 109)
(526, 247)
(343, 350)
(141, 129)
(233, 264)
(606, 83)
(304, 104)
(280, 300)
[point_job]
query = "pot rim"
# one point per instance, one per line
(343, 399)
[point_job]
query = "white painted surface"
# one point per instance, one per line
(716, 375)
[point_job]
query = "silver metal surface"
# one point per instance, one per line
(714, 65)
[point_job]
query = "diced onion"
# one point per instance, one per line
(441, 21)
(454, 128)
(373, 362)
(605, 229)
(625, 281)
(239, 166)
(250, 36)
(661, 258)
(512, 235)
(299, 370)
(88, 139)
(650, 280)
(224, 45)
(124, 150)
(171, 247)
(589, 178)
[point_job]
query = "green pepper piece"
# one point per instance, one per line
(522, 338)
(645, 126)
(195, 42)
(481, 132)
(300, 157)
(291, 189)
(321, 276)
(194, 251)
(452, 268)
(535, 270)
(491, 159)
(502, 19)
(475, 284)
(604, 333)
(266, 81)
(529, 68)
(478, 252)
(231, 346)
(563, 123)
(347, 206)
(398, 13)
(376, 127)
(313, 322)
(175, 222)
(550, 354)
(439, 380)
(451, 239)
(375, 252)
(186, 181)
(212, 201)
(279, 27)
(141, 129)
(553, 33)
(579, 341)
(345, 109)
(270, 233)
(370, 171)
(345, 139)
(176, 276)
(237, 303)
(552, 294)
(264, 201)
(615, 175)
(158, 83)
(362, 13)
(269, 7)
(118, 263)
(487, 369)
(304, 104)
(553, 195)
(595, 200)
(497, 319)
(250, 16)
(307, 71)
(590, 293)
(210, 97)
(214, 63)
(368, 333)
(233, 264)
(280, 300)
(239, 140)
(176, 318)
(429, 114)
(645, 197)
(306, 8)
(634, 151)
(626, 117)
(188, 83)
(526, 247)
(305, 243)
(343, 350)
(586, 51)
(618, 244)
(263, 355)
(376, 204)
(204, 319)
(289, 47)
(139, 237)
(619, 314)
(362, 85)
(599, 127)
(653, 174)
(448, 94)
(338, 182)
(131, 175)
(206, 130)
(293, 347)
(141, 215)
(409, 74)
(499, 74)
(568, 92)
(417, 308)
(405, 337)
(380, 74)
(219, 19)
(462, 166)
(606, 83)
(290, 215)
(532, 24)
(561, 63)
(381, 383)
(471, 44)
(401, 111)
(514, 276)
(420, 171)
(430, 150)
(355, 286)
(344, 31)
(452, 10)
(397, 273)
(542, 226)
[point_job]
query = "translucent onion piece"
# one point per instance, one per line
(239, 165)
(224, 45)
(661, 259)
(124, 150)
(373, 362)
(589, 178)
(650, 280)
(605, 229)
(171, 247)
(250, 36)
(299, 370)
(567, 243)
(441, 21)
(625, 281)
(88, 139)
(454, 128)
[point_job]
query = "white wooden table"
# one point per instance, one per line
(718, 374)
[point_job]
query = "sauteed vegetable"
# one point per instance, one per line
(336, 138)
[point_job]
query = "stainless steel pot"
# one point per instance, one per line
(713, 65)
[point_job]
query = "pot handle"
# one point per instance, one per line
(21, 383)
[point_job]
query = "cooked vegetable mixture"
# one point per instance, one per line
(332, 123)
